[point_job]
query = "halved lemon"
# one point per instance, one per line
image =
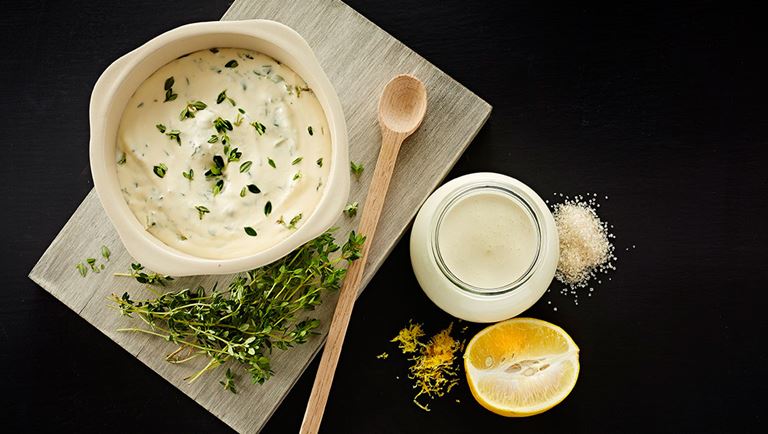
(521, 367)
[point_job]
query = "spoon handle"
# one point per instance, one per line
(374, 203)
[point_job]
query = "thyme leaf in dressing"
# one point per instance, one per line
(292, 223)
(201, 211)
(168, 87)
(192, 108)
(238, 120)
(174, 135)
(260, 128)
(295, 220)
(222, 125)
(232, 154)
(223, 97)
(218, 187)
(160, 169)
(218, 161)
(245, 166)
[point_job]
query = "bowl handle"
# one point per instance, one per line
(100, 89)
(279, 30)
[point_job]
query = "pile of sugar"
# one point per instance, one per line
(585, 243)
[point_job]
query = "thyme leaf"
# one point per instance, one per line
(174, 135)
(201, 211)
(160, 170)
(357, 169)
(351, 209)
(192, 108)
(222, 125)
(223, 97)
(260, 128)
(105, 253)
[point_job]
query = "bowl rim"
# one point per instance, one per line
(144, 246)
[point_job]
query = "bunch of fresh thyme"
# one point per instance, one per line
(259, 311)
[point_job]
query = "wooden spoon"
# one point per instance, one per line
(401, 110)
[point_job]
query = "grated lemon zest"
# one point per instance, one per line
(434, 370)
(408, 338)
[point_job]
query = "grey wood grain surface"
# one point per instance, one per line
(359, 58)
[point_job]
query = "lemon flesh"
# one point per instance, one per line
(521, 367)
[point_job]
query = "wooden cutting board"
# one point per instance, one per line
(359, 59)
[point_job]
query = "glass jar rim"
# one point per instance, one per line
(448, 202)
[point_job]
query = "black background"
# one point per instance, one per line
(660, 107)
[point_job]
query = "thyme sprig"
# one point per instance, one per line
(260, 310)
(138, 273)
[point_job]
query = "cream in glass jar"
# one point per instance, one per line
(484, 247)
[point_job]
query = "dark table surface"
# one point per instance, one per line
(660, 107)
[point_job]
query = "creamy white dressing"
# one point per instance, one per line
(487, 239)
(190, 215)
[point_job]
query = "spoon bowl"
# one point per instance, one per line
(403, 104)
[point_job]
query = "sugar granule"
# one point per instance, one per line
(585, 243)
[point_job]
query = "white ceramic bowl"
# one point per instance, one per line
(121, 79)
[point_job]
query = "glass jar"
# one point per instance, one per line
(484, 247)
